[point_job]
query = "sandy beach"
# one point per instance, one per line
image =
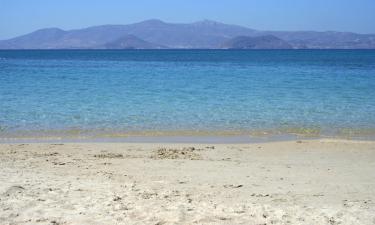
(293, 182)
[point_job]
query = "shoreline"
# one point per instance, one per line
(228, 139)
(181, 139)
(187, 136)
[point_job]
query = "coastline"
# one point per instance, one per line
(185, 136)
(325, 181)
(182, 139)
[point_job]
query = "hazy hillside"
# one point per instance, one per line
(259, 42)
(156, 33)
(131, 42)
(329, 39)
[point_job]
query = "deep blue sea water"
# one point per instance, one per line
(319, 92)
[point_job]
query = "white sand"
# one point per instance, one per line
(313, 182)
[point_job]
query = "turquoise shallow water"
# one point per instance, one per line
(78, 92)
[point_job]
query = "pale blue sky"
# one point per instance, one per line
(22, 16)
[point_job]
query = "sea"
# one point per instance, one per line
(119, 94)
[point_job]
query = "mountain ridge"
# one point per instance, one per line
(205, 34)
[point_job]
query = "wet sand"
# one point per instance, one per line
(291, 182)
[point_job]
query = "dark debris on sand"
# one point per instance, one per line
(185, 153)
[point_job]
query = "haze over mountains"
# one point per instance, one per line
(156, 34)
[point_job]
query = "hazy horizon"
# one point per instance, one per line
(18, 17)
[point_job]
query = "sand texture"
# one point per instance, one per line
(295, 182)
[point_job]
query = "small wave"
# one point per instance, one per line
(356, 132)
(301, 131)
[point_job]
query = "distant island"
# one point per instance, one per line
(156, 34)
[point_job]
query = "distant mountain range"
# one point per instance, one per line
(156, 34)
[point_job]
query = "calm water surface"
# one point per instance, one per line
(313, 92)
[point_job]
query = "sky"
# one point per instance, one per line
(19, 17)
